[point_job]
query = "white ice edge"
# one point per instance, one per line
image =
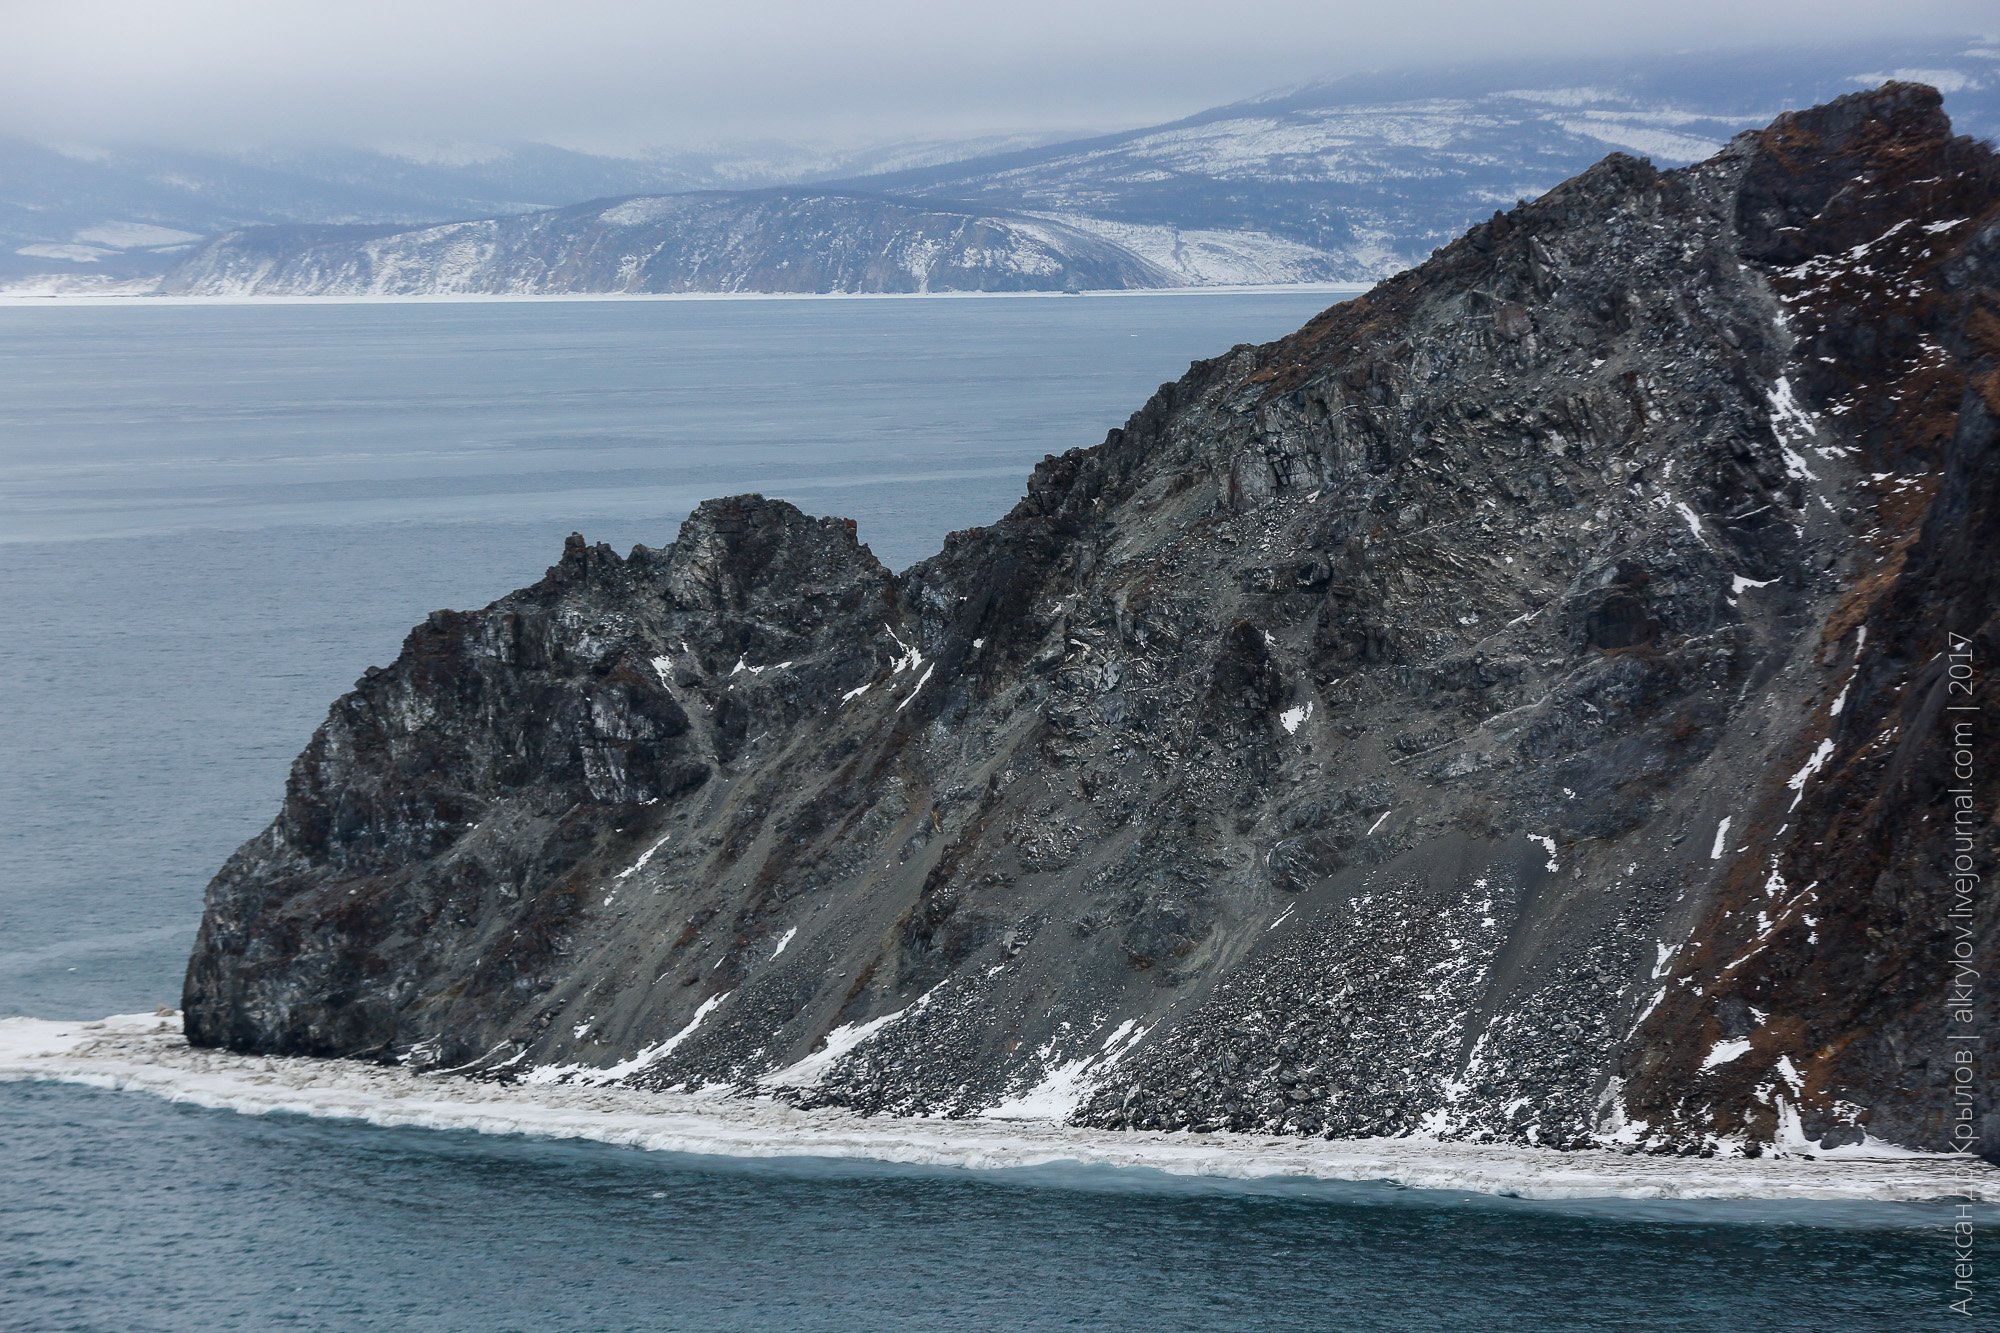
(143, 300)
(146, 1053)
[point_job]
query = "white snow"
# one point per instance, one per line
(908, 660)
(1726, 1051)
(1293, 716)
(1944, 80)
(1793, 425)
(783, 942)
(644, 211)
(743, 664)
(1206, 258)
(72, 287)
(44, 291)
(1797, 782)
(1065, 1084)
(72, 254)
(133, 235)
(921, 682)
(144, 1053)
(839, 1042)
(1646, 1012)
(1721, 840)
(640, 864)
(1646, 140)
(1582, 95)
(1694, 523)
(590, 1076)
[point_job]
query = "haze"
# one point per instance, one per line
(619, 76)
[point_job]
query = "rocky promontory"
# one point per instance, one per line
(1512, 707)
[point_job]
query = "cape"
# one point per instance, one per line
(1537, 701)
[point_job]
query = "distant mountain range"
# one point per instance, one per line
(1344, 180)
(124, 211)
(761, 241)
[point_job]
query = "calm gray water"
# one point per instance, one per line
(213, 518)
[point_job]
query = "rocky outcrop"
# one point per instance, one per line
(1509, 707)
(756, 241)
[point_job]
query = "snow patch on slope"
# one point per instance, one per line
(1207, 257)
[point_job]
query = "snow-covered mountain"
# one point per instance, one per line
(756, 241)
(81, 212)
(1358, 177)
(1344, 180)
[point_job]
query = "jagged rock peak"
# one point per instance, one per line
(732, 553)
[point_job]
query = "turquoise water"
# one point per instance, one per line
(213, 518)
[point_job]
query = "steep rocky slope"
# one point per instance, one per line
(1508, 707)
(759, 241)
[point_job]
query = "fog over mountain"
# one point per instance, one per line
(622, 76)
(130, 132)
(1345, 179)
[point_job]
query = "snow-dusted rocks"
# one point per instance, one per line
(1390, 730)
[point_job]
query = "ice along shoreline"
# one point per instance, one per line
(146, 1053)
(19, 299)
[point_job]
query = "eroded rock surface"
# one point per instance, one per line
(1510, 707)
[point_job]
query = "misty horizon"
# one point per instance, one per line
(454, 83)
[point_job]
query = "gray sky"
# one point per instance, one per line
(615, 75)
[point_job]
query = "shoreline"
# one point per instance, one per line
(25, 300)
(146, 1053)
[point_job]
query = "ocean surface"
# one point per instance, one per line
(213, 518)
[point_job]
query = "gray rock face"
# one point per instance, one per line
(1452, 718)
(760, 241)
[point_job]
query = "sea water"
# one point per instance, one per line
(214, 517)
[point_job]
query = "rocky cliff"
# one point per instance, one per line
(1513, 706)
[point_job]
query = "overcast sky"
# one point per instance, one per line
(616, 75)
